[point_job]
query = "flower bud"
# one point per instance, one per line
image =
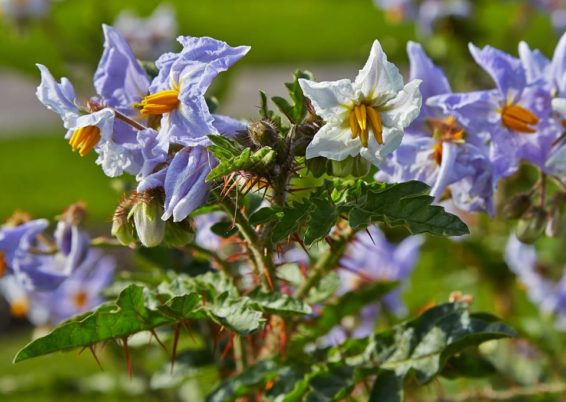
(263, 133)
(178, 234)
(122, 227)
(351, 166)
(517, 206)
(147, 212)
(531, 225)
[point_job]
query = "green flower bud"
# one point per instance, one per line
(532, 225)
(263, 133)
(146, 213)
(351, 166)
(517, 206)
(178, 234)
(317, 166)
(122, 227)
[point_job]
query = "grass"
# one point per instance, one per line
(41, 175)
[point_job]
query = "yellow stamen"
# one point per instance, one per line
(19, 307)
(354, 125)
(364, 137)
(80, 298)
(361, 116)
(437, 153)
(85, 139)
(519, 119)
(3, 264)
(160, 102)
(376, 126)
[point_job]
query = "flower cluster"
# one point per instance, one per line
(51, 278)
(155, 129)
(462, 144)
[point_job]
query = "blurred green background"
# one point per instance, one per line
(40, 174)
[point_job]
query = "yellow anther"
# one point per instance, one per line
(85, 139)
(160, 102)
(519, 119)
(19, 307)
(361, 116)
(376, 126)
(354, 125)
(437, 152)
(3, 264)
(80, 298)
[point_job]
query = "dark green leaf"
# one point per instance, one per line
(223, 147)
(224, 229)
(265, 215)
(278, 303)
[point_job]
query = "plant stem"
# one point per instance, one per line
(262, 259)
(240, 354)
(325, 264)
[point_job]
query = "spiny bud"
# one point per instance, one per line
(177, 234)
(517, 206)
(531, 225)
(74, 214)
(146, 213)
(122, 227)
(317, 166)
(263, 133)
(556, 226)
(351, 166)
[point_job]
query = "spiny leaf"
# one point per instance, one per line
(223, 147)
(278, 303)
(406, 204)
(247, 160)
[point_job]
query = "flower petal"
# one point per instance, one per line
(376, 153)
(333, 142)
(329, 98)
(404, 108)
(58, 97)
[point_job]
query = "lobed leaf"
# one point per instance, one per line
(246, 160)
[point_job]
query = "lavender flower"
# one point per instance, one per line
(548, 295)
(438, 150)
(515, 114)
(10, 237)
(151, 36)
(177, 93)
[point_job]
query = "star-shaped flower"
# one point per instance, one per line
(376, 101)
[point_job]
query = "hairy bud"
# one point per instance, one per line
(317, 166)
(517, 206)
(122, 226)
(532, 225)
(177, 234)
(263, 133)
(146, 213)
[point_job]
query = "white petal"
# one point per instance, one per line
(405, 108)
(376, 153)
(333, 142)
(329, 98)
(378, 76)
(559, 105)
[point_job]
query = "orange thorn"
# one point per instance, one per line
(128, 360)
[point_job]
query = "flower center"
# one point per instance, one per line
(445, 130)
(19, 307)
(160, 102)
(80, 298)
(361, 119)
(519, 119)
(85, 139)
(3, 264)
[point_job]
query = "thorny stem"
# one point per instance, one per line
(326, 262)
(240, 354)
(262, 259)
(127, 120)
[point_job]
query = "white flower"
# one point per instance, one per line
(556, 163)
(376, 101)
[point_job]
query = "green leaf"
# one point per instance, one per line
(278, 303)
(255, 162)
(285, 108)
(296, 110)
(406, 204)
(212, 295)
(223, 147)
(127, 316)
(265, 215)
(224, 229)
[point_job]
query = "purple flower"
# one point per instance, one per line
(372, 258)
(41, 265)
(10, 237)
(515, 115)
(177, 93)
(21, 302)
(438, 150)
(81, 291)
(548, 295)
